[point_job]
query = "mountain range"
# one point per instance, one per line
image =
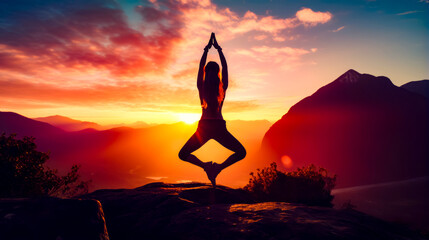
(68, 124)
(361, 127)
(128, 157)
(420, 87)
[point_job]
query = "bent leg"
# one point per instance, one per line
(195, 142)
(229, 141)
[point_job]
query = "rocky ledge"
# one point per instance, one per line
(51, 219)
(196, 211)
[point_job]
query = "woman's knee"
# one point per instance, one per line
(183, 154)
(241, 153)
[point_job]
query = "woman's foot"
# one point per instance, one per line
(212, 170)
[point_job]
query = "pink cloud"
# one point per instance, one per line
(98, 35)
(282, 50)
(309, 17)
(199, 18)
(279, 39)
(338, 29)
(95, 35)
(279, 58)
(260, 37)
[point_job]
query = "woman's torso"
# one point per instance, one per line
(211, 108)
(212, 113)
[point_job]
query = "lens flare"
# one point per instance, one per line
(287, 161)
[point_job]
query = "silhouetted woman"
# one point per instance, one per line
(211, 125)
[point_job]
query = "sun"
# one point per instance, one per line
(189, 118)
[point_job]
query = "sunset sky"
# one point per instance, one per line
(126, 61)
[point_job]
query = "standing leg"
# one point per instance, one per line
(195, 142)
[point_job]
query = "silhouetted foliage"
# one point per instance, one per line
(23, 174)
(309, 185)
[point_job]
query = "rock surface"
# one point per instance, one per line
(51, 218)
(196, 211)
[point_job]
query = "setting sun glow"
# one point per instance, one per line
(189, 118)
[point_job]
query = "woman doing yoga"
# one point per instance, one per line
(212, 89)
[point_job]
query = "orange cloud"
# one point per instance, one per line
(130, 95)
(240, 106)
(92, 54)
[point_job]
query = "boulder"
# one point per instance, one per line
(52, 218)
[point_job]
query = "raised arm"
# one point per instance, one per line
(223, 63)
(202, 64)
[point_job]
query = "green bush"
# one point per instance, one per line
(23, 174)
(308, 185)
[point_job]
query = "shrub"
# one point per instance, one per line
(23, 174)
(308, 185)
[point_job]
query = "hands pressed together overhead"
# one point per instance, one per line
(212, 42)
(224, 74)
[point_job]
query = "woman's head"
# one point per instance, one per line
(211, 76)
(212, 68)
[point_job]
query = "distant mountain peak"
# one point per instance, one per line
(351, 76)
(420, 87)
(67, 123)
(354, 78)
(355, 127)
